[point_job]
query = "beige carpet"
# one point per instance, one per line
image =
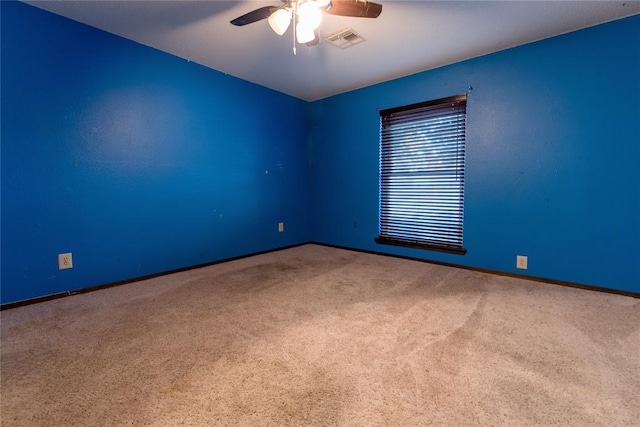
(322, 336)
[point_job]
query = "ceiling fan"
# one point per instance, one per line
(306, 16)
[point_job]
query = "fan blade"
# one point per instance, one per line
(356, 8)
(254, 16)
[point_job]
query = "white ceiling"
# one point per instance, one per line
(408, 36)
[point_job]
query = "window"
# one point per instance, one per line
(422, 149)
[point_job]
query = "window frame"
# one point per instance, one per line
(460, 102)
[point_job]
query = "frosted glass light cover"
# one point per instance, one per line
(309, 15)
(321, 3)
(280, 20)
(304, 34)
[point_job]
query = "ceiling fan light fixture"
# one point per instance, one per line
(304, 34)
(280, 20)
(321, 4)
(309, 15)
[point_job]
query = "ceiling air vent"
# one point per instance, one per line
(345, 38)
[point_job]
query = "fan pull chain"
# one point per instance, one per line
(295, 14)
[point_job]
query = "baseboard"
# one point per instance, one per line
(496, 272)
(50, 297)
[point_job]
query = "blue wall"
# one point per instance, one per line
(552, 166)
(139, 162)
(134, 160)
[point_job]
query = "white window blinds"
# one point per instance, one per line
(422, 150)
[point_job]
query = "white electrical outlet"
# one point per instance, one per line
(521, 262)
(65, 261)
(280, 227)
